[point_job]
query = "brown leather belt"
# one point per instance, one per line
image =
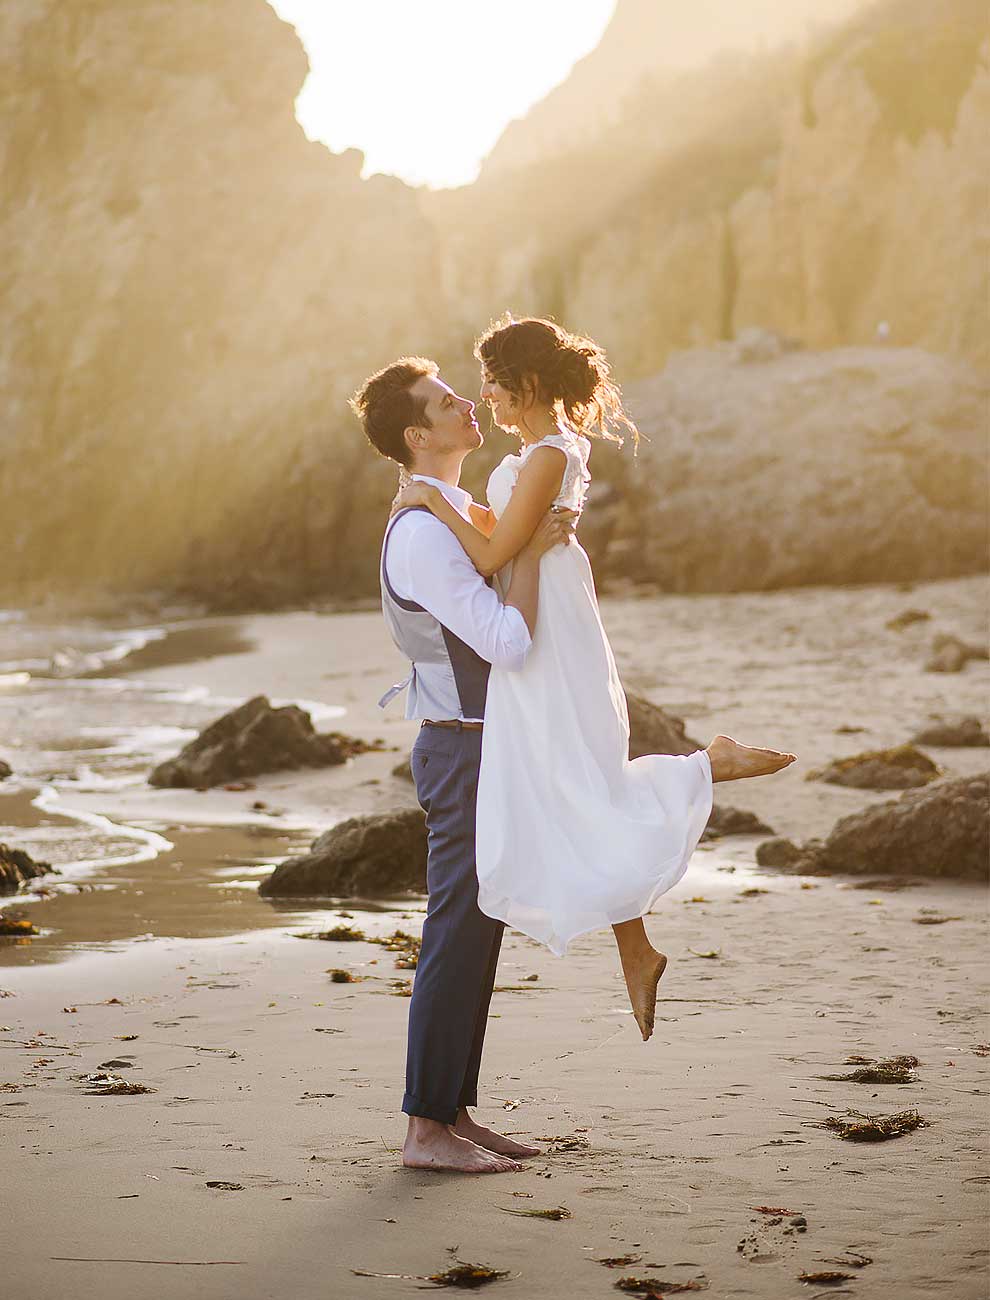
(455, 726)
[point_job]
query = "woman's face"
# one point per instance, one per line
(503, 406)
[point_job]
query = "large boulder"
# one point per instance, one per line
(943, 830)
(252, 739)
(376, 856)
(901, 768)
(950, 655)
(955, 733)
(870, 462)
(17, 868)
(726, 820)
(654, 731)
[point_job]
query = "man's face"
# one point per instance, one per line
(453, 426)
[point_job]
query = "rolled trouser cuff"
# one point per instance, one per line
(427, 1110)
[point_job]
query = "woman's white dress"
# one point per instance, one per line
(572, 836)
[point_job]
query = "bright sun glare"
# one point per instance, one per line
(425, 89)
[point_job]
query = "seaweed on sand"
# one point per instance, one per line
(111, 1085)
(893, 1069)
(16, 926)
(461, 1274)
(874, 1128)
(338, 933)
(556, 1214)
(828, 1277)
(657, 1286)
(407, 947)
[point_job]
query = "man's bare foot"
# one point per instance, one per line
(642, 974)
(731, 761)
(430, 1145)
(466, 1127)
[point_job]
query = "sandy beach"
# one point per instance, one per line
(289, 1082)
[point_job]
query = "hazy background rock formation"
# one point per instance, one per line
(192, 289)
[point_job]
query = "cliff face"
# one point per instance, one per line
(768, 466)
(821, 194)
(194, 290)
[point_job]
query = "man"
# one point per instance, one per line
(452, 626)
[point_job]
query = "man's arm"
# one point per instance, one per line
(427, 564)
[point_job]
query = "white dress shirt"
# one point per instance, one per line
(426, 563)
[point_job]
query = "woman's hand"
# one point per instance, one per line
(413, 494)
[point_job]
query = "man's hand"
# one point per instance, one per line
(555, 528)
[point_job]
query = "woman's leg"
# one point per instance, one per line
(642, 967)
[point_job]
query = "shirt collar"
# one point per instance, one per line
(457, 496)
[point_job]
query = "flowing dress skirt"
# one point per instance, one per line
(572, 836)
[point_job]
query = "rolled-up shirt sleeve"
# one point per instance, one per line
(427, 564)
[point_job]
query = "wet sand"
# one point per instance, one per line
(658, 1151)
(661, 1149)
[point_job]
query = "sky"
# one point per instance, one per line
(425, 88)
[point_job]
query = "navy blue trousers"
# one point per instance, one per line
(448, 1014)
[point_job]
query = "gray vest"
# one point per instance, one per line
(448, 680)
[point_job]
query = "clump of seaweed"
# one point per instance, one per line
(618, 1261)
(406, 945)
(338, 976)
(893, 1069)
(16, 926)
(338, 934)
(111, 1085)
(874, 1128)
(828, 1277)
(461, 1274)
(556, 1214)
(656, 1286)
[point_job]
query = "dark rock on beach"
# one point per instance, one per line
(954, 734)
(253, 739)
(943, 830)
(779, 852)
(902, 768)
(368, 857)
(5, 770)
(726, 820)
(17, 868)
(653, 731)
(906, 618)
(950, 655)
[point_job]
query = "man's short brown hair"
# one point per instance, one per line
(386, 407)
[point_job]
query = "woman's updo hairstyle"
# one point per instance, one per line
(536, 358)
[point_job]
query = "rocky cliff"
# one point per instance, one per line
(193, 289)
(840, 194)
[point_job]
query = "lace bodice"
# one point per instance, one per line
(574, 486)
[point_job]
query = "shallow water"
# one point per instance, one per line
(75, 717)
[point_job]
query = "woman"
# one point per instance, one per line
(572, 836)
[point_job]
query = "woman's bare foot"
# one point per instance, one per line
(641, 984)
(642, 967)
(431, 1145)
(731, 761)
(466, 1127)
